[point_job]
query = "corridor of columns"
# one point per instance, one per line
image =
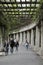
(21, 21)
(34, 36)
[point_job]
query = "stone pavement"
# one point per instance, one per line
(21, 57)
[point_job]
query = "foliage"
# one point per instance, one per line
(39, 12)
(10, 24)
(4, 25)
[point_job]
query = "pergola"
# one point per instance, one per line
(20, 10)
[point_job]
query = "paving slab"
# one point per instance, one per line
(21, 57)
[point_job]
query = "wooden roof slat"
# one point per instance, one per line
(17, 11)
(19, 2)
(17, 7)
(21, 14)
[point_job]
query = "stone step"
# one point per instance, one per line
(2, 53)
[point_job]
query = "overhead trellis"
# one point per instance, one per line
(20, 10)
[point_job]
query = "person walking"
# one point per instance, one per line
(11, 45)
(17, 45)
(27, 44)
(6, 47)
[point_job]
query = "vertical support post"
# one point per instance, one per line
(24, 39)
(37, 39)
(14, 36)
(41, 49)
(28, 36)
(17, 36)
(32, 38)
(20, 37)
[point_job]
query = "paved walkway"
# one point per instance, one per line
(22, 57)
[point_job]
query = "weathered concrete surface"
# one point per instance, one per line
(41, 49)
(22, 57)
(37, 40)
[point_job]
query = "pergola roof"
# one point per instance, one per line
(19, 8)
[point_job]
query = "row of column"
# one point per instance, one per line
(22, 36)
(34, 36)
(37, 39)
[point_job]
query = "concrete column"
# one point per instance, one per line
(37, 39)
(8, 39)
(41, 49)
(32, 38)
(28, 36)
(42, 34)
(14, 36)
(20, 37)
(24, 39)
(17, 36)
(1, 45)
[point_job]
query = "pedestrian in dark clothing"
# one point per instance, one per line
(17, 45)
(12, 45)
(6, 47)
(27, 44)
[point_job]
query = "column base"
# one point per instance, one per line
(36, 49)
(41, 51)
(32, 46)
(20, 42)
